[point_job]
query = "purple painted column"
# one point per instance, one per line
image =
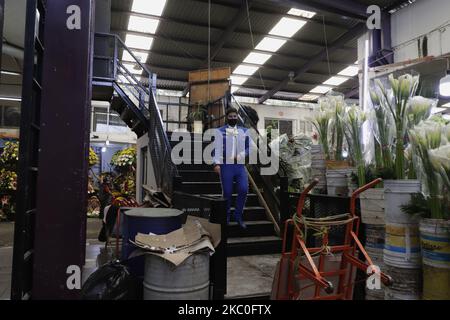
(64, 141)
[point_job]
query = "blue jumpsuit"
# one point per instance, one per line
(235, 143)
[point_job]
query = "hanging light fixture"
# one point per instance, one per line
(444, 85)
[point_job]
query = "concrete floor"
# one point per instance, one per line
(247, 276)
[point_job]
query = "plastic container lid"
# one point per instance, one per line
(153, 212)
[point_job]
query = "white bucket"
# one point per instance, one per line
(337, 184)
(402, 246)
(407, 284)
(396, 194)
(318, 166)
(372, 206)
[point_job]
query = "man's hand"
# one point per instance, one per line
(217, 169)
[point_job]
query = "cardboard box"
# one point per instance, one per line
(195, 235)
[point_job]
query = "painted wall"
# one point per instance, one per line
(424, 17)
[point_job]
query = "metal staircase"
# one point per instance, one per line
(131, 88)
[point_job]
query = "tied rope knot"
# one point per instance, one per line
(321, 226)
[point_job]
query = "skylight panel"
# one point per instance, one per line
(140, 24)
(245, 70)
(141, 56)
(154, 7)
(138, 42)
(335, 81)
(350, 71)
(257, 58)
(234, 89)
(287, 27)
(302, 13)
(309, 97)
(270, 44)
(320, 89)
(238, 80)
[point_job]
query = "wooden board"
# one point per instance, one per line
(216, 74)
(200, 94)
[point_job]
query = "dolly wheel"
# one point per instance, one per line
(390, 281)
(329, 289)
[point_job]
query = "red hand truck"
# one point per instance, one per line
(306, 273)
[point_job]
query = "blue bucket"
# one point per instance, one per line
(146, 220)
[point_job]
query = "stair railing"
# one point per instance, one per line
(133, 79)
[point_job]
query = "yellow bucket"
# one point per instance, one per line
(436, 283)
(402, 245)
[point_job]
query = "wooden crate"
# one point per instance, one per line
(202, 75)
(202, 92)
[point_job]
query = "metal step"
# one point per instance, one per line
(246, 246)
(252, 198)
(202, 187)
(254, 229)
(202, 175)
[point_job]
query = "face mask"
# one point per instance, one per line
(232, 122)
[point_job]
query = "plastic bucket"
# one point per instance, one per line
(396, 194)
(372, 206)
(375, 238)
(436, 283)
(407, 284)
(377, 259)
(318, 166)
(337, 184)
(435, 243)
(402, 246)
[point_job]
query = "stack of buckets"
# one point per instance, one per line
(402, 255)
(373, 216)
(435, 243)
(338, 180)
(318, 167)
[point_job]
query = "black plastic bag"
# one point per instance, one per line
(112, 281)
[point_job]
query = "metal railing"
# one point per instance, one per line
(136, 84)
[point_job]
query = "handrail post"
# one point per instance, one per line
(218, 265)
(285, 213)
(116, 58)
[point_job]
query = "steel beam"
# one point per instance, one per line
(64, 148)
(350, 35)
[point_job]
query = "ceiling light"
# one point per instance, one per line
(335, 81)
(270, 44)
(10, 73)
(10, 99)
(287, 27)
(155, 7)
(257, 58)
(138, 42)
(350, 71)
(301, 13)
(238, 80)
(309, 97)
(141, 56)
(245, 70)
(146, 25)
(320, 89)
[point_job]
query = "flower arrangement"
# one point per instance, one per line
(353, 123)
(396, 104)
(322, 123)
(93, 158)
(8, 180)
(10, 155)
(429, 145)
(124, 158)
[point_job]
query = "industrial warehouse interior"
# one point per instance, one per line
(237, 152)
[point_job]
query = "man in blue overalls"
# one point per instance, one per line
(230, 164)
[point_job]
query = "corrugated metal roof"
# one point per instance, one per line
(181, 42)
